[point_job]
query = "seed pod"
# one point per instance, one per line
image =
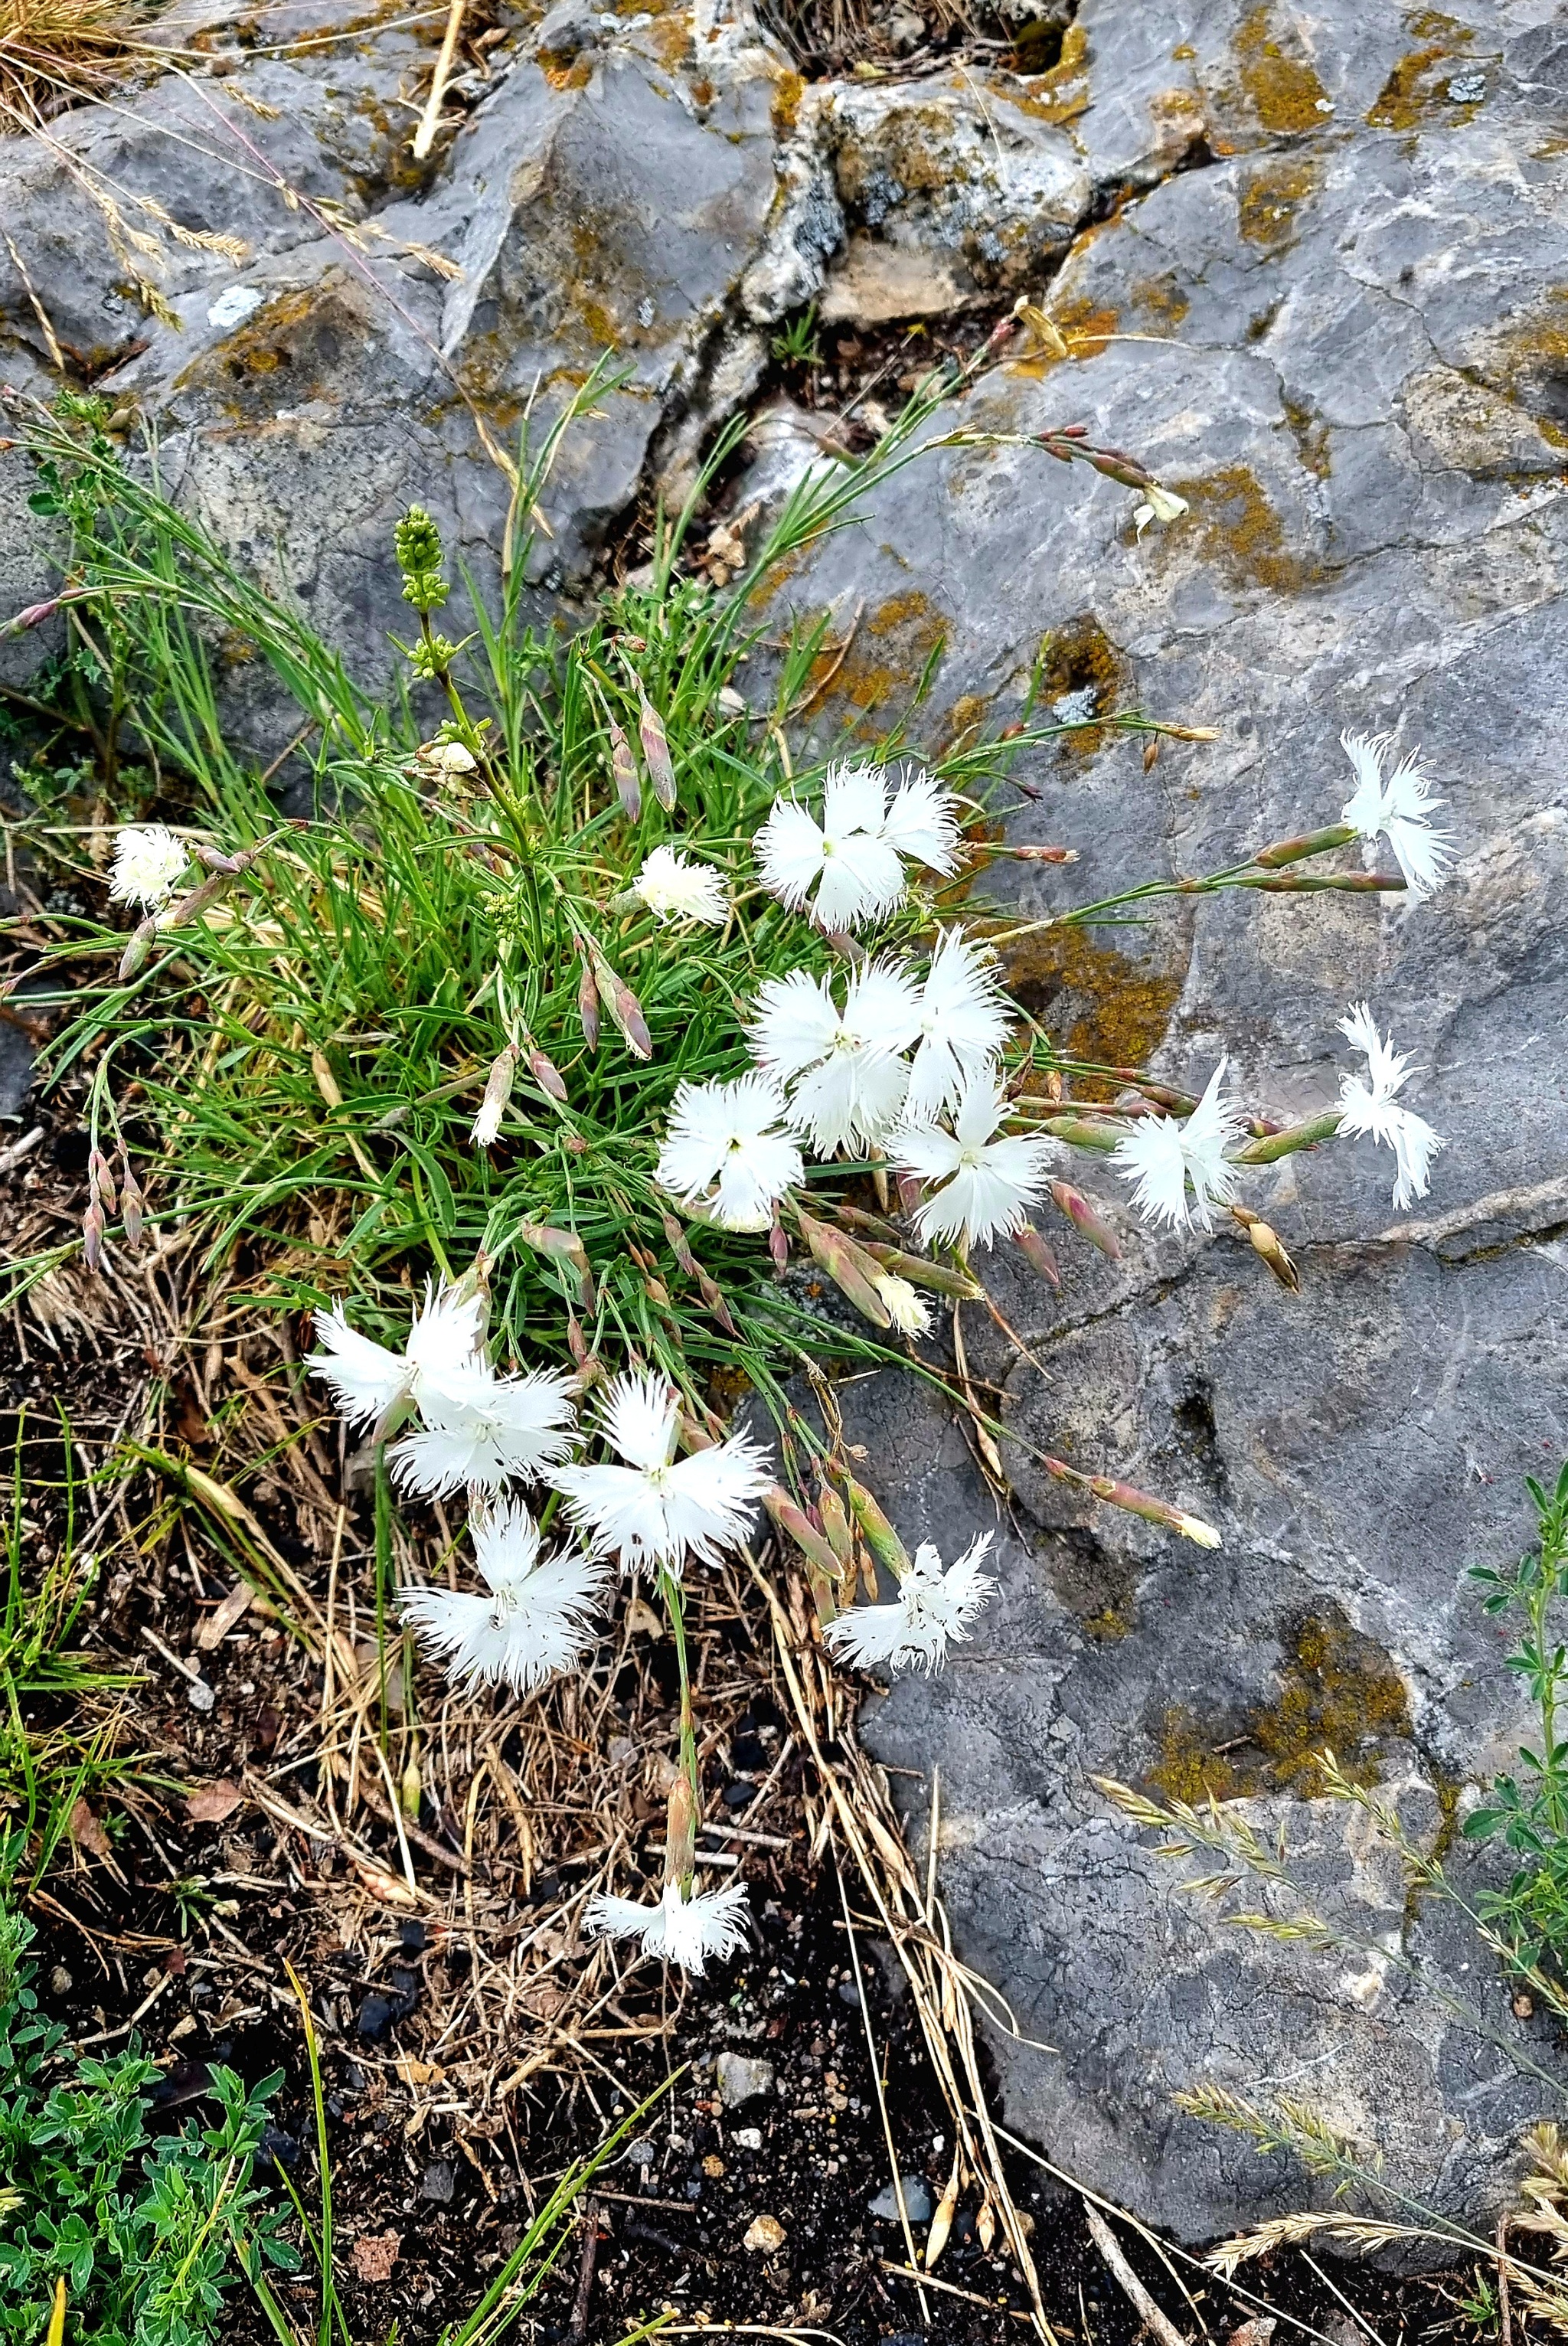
(942, 2222)
(133, 1206)
(624, 767)
(655, 752)
(1085, 1221)
(1037, 1251)
(1310, 842)
(562, 1247)
(409, 1788)
(1269, 1246)
(588, 1004)
(93, 1235)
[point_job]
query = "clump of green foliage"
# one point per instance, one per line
(1529, 1812)
(143, 2233)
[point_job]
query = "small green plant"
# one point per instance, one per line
(1529, 1812)
(142, 2233)
(798, 344)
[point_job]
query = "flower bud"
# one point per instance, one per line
(1085, 1221)
(101, 1180)
(588, 1005)
(680, 1831)
(941, 1278)
(624, 768)
(1310, 842)
(778, 1244)
(562, 1247)
(623, 1005)
(132, 1206)
(836, 1524)
(544, 1070)
(847, 1266)
(1045, 854)
(137, 947)
(1135, 1501)
(875, 1529)
(911, 1195)
(655, 752)
(1269, 1246)
(1037, 1251)
(93, 1235)
(497, 1091)
(796, 1524)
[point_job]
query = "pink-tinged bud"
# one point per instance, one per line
(1045, 854)
(32, 615)
(137, 948)
(1135, 1501)
(216, 861)
(1085, 1221)
(847, 1265)
(655, 752)
(680, 1831)
(133, 1206)
(875, 1529)
(544, 1070)
(624, 767)
(93, 1235)
(1084, 1132)
(1276, 1145)
(497, 1091)
(623, 1005)
(101, 1180)
(577, 1342)
(657, 1294)
(709, 1289)
(588, 1005)
(564, 1247)
(1269, 1248)
(911, 1195)
(1037, 1251)
(778, 1244)
(796, 1524)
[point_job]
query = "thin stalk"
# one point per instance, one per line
(383, 1577)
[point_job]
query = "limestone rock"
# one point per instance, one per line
(742, 2077)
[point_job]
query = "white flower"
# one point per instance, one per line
(371, 1383)
(538, 1618)
(1160, 504)
(933, 1607)
(658, 1509)
(987, 1184)
(498, 1084)
(1401, 807)
(963, 1023)
(726, 1134)
(675, 889)
(1160, 1155)
(482, 1430)
(1370, 1107)
(847, 1080)
(909, 1314)
(854, 856)
(684, 1930)
(922, 822)
(149, 864)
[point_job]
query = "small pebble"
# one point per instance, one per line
(712, 2167)
(741, 2079)
(847, 1992)
(739, 1796)
(437, 2182)
(59, 1981)
(765, 2233)
(749, 2138)
(640, 2152)
(917, 2202)
(200, 1695)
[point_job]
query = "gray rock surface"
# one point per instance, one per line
(1349, 355)
(1314, 274)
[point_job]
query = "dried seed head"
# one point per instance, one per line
(680, 1831)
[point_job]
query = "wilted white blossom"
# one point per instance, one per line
(931, 1609)
(149, 863)
(675, 889)
(538, 1618)
(906, 1307)
(1161, 1156)
(1370, 1105)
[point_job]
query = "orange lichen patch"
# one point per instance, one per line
(1339, 1692)
(1161, 298)
(1083, 326)
(1058, 95)
(1281, 88)
(670, 37)
(1528, 362)
(1271, 197)
(1095, 1002)
(788, 90)
(890, 648)
(1080, 658)
(964, 720)
(1418, 89)
(1310, 435)
(1241, 532)
(563, 72)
